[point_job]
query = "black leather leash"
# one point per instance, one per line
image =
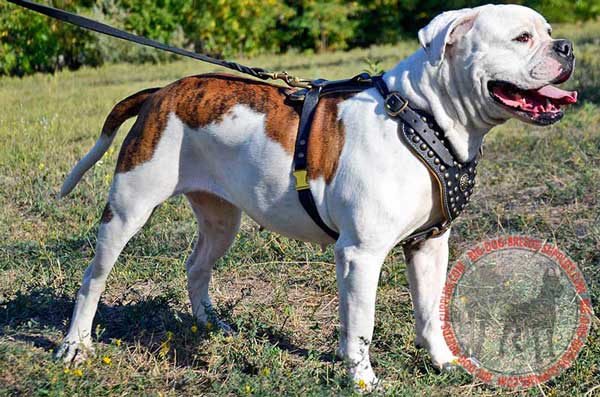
(99, 27)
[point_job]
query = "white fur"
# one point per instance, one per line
(380, 194)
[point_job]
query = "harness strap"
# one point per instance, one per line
(311, 100)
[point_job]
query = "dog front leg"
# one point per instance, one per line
(357, 272)
(426, 267)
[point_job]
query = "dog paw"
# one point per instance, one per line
(218, 325)
(74, 352)
(442, 358)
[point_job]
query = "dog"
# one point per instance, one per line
(226, 143)
(538, 315)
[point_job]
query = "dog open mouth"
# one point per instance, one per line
(540, 106)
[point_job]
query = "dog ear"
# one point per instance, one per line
(444, 30)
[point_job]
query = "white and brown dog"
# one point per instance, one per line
(227, 142)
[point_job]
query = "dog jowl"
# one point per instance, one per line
(226, 143)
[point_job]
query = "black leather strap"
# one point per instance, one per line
(425, 138)
(305, 196)
(417, 130)
(96, 26)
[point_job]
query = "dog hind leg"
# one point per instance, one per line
(218, 224)
(133, 197)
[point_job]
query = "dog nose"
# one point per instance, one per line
(563, 48)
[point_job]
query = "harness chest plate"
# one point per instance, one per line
(417, 130)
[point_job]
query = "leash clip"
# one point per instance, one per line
(394, 104)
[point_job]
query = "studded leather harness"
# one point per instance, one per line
(418, 131)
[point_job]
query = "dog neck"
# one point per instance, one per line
(438, 90)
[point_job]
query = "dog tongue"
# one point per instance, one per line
(556, 93)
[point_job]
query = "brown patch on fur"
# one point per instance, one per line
(107, 214)
(202, 100)
(206, 99)
(326, 138)
(126, 109)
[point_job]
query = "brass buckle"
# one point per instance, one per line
(301, 180)
(394, 97)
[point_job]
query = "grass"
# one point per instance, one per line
(280, 294)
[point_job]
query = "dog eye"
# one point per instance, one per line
(523, 37)
(550, 32)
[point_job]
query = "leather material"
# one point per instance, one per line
(419, 132)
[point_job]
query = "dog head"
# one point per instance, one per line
(503, 59)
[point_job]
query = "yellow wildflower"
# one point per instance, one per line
(118, 342)
(265, 372)
(106, 360)
(209, 325)
(164, 349)
(169, 335)
(78, 372)
(66, 370)
(361, 384)
(41, 166)
(248, 389)
(194, 328)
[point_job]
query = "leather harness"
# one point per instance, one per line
(418, 131)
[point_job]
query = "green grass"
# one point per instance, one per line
(280, 294)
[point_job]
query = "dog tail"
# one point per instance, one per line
(124, 110)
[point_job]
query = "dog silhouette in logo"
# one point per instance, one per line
(480, 310)
(537, 315)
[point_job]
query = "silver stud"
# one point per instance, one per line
(437, 134)
(446, 175)
(442, 168)
(410, 130)
(470, 169)
(436, 161)
(455, 163)
(456, 189)
(455, 176)
(451, 199)
(302, 142)
(424, 118)
(423, 146)
(449, 183)
(462, 206)
(460, 166)
(416, 139)
(430, 153)
(301, 155)
(451, 193)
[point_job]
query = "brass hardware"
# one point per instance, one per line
(394, 96)
(287, 78)
(464, 182)
(301, 180)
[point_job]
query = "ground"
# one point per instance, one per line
(279, 294)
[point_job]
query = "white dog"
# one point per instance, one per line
(227, 142)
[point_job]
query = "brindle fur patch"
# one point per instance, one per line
(107, 214)
(205, 99)
(126, 109)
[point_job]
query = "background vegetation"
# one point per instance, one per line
(226, 28)
(279, 294)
